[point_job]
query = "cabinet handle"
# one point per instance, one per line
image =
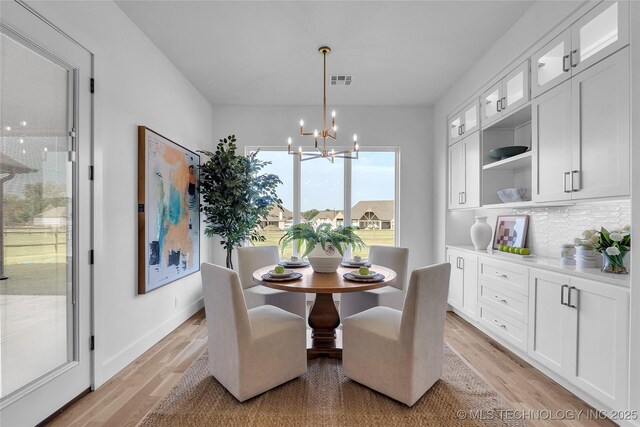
(562, 294)
(572, 187)
(574, 52)
(460, 198)
(565, 68)
(499, 105)
(564, 182)
(464, 129)
(459, 127)
(457, 262)
(502, 325)
(500, 299)
(464, 197)
(504, 276)
(569, 299)
(503, 103)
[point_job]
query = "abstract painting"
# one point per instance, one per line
(168, 211)
(511, 231)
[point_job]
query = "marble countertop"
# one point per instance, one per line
(552, 264)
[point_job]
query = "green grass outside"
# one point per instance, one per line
(370, 237)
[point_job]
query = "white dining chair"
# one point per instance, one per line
(392, 296)
(250, 259)
(400, 353)
(250, 351)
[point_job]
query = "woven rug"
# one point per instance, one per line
(325, 397)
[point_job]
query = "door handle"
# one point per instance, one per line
(564, 182)
(562, 294)
(574, 52)
(502, 325)
(572, 187)
(569, 299)
(565, 68)
(500, 299)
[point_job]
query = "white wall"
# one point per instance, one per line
(135, 85)
(406, 127)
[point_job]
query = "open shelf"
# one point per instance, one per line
(515, 162)
(526, 204)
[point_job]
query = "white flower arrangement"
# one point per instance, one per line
(614, 246)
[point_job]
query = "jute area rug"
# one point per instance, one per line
(325, 397)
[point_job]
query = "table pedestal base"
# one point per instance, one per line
(324, 319)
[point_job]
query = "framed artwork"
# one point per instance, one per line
(168, 211)
(511, 230)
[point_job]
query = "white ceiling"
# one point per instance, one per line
(265, 52)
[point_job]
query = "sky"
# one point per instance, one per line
(373, 178)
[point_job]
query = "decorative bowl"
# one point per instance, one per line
(502, 153)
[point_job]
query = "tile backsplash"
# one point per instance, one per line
(550, 227)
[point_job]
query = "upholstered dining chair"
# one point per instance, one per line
(250, 351)
(400, 353)
(252, 258)
(391, 257)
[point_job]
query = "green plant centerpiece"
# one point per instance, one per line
(324, 245)
(235, 195)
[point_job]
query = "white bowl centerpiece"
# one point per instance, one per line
(324, 245)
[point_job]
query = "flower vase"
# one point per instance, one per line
(614, 263)
(325, 260)
(481, 233)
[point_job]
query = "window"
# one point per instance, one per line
(373, 191)
(279, 218)
(323, 192)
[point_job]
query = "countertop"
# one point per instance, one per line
(552, 264)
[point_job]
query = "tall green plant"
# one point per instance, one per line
(235, 196)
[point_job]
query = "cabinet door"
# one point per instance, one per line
(471, 190)
(601, 141)
(455, 128)
(456, 281)
(456, 174)
(470, 286)
(490, 104)
(549, 320)
(470, 116)
(600, 339)
(551, 140)
(550, 66)
(516, 88)
(599, 33)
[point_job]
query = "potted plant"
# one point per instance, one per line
(323, 245)
(614, 246)
(235, 196)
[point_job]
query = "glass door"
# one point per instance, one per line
(44, 218)
(599, 33)
(490, 102)
(551, 65)
(516, 87)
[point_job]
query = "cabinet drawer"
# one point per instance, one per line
(513, 276)
(509, 329)
(499, 297)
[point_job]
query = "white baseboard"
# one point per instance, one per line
(118, 362)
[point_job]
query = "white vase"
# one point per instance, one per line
(481, 233)
(325, 261)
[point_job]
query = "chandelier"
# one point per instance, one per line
(326, 133)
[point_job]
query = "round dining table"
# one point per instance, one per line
(325, 340)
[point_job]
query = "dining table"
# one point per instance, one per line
(325, 339)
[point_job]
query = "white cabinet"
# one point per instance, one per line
(579, 329)
(463, 285)
(464, 122)
(580, 129)
(464, 173)
(598, 34)
(506, 95)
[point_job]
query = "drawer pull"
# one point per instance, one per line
(500, 299)
(504, 276)
(502, 325)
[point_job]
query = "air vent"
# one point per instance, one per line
(341, 80)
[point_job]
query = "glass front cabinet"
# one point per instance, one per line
(507, 95)
(464, 122)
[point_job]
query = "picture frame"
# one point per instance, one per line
(511, 230)
(168, 211)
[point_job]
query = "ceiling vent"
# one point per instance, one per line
(341, 80)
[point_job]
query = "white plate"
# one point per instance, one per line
(286, 273)
(363, 276)
(296, 262)
(353, 262)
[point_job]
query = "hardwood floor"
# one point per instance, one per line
(125, 399)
